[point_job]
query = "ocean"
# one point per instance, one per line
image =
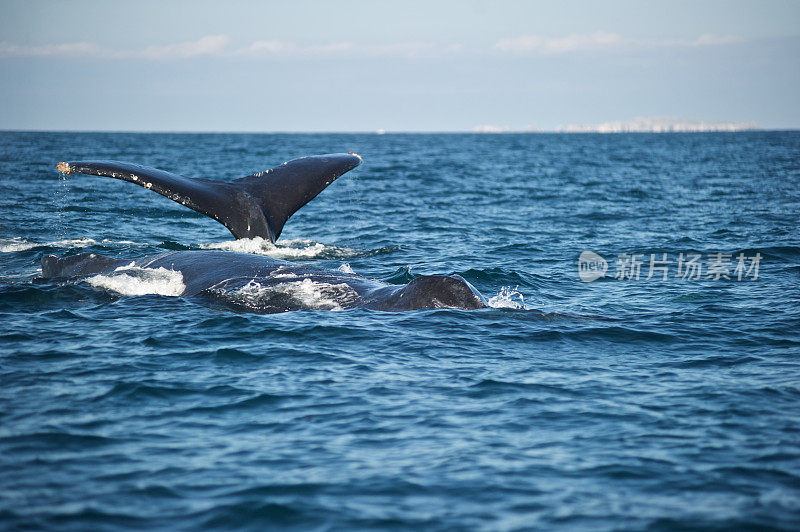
(638, 367)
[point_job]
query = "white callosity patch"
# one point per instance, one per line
(134, 281)
(507, 297)
(304, 294)
(285, 249)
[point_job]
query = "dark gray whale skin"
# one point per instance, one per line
(258, 206)
(211, 273)
(254, 206)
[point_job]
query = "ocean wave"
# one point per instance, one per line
(401, 275)
(134, 281)
(502, 275)
(15, 244)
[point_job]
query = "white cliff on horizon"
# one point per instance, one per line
(658, 125)
(636, 125)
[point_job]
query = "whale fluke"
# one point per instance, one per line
(256, 205)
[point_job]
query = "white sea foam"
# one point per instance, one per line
(306, 294)
(295, 248)
(508, 297)
(134, 281)
(10, 245)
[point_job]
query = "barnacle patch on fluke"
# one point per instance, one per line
(64, 168)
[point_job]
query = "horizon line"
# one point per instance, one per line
(386, 132)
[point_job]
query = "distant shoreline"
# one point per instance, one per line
(398, 132)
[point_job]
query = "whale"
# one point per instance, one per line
(262, 284)
(258, 205)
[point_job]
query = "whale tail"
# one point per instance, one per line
(256, 205)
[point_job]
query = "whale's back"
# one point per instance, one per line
(430, 292)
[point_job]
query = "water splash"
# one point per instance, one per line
(295, 248)
(60, 203)
(345, 268)
(508, 297)
(134, 281)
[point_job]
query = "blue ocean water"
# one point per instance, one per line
(621, 403)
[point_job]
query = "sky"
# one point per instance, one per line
(396, 66)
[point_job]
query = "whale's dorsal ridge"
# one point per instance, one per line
(256, 205)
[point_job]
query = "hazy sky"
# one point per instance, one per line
(419, 66)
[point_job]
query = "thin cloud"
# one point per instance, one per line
(709, 39)
(267, 48)
(403, 49)
(75, 49)
(556, 45)
(222, 46)
(597, 41)
(210, 45)
(282, 48)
